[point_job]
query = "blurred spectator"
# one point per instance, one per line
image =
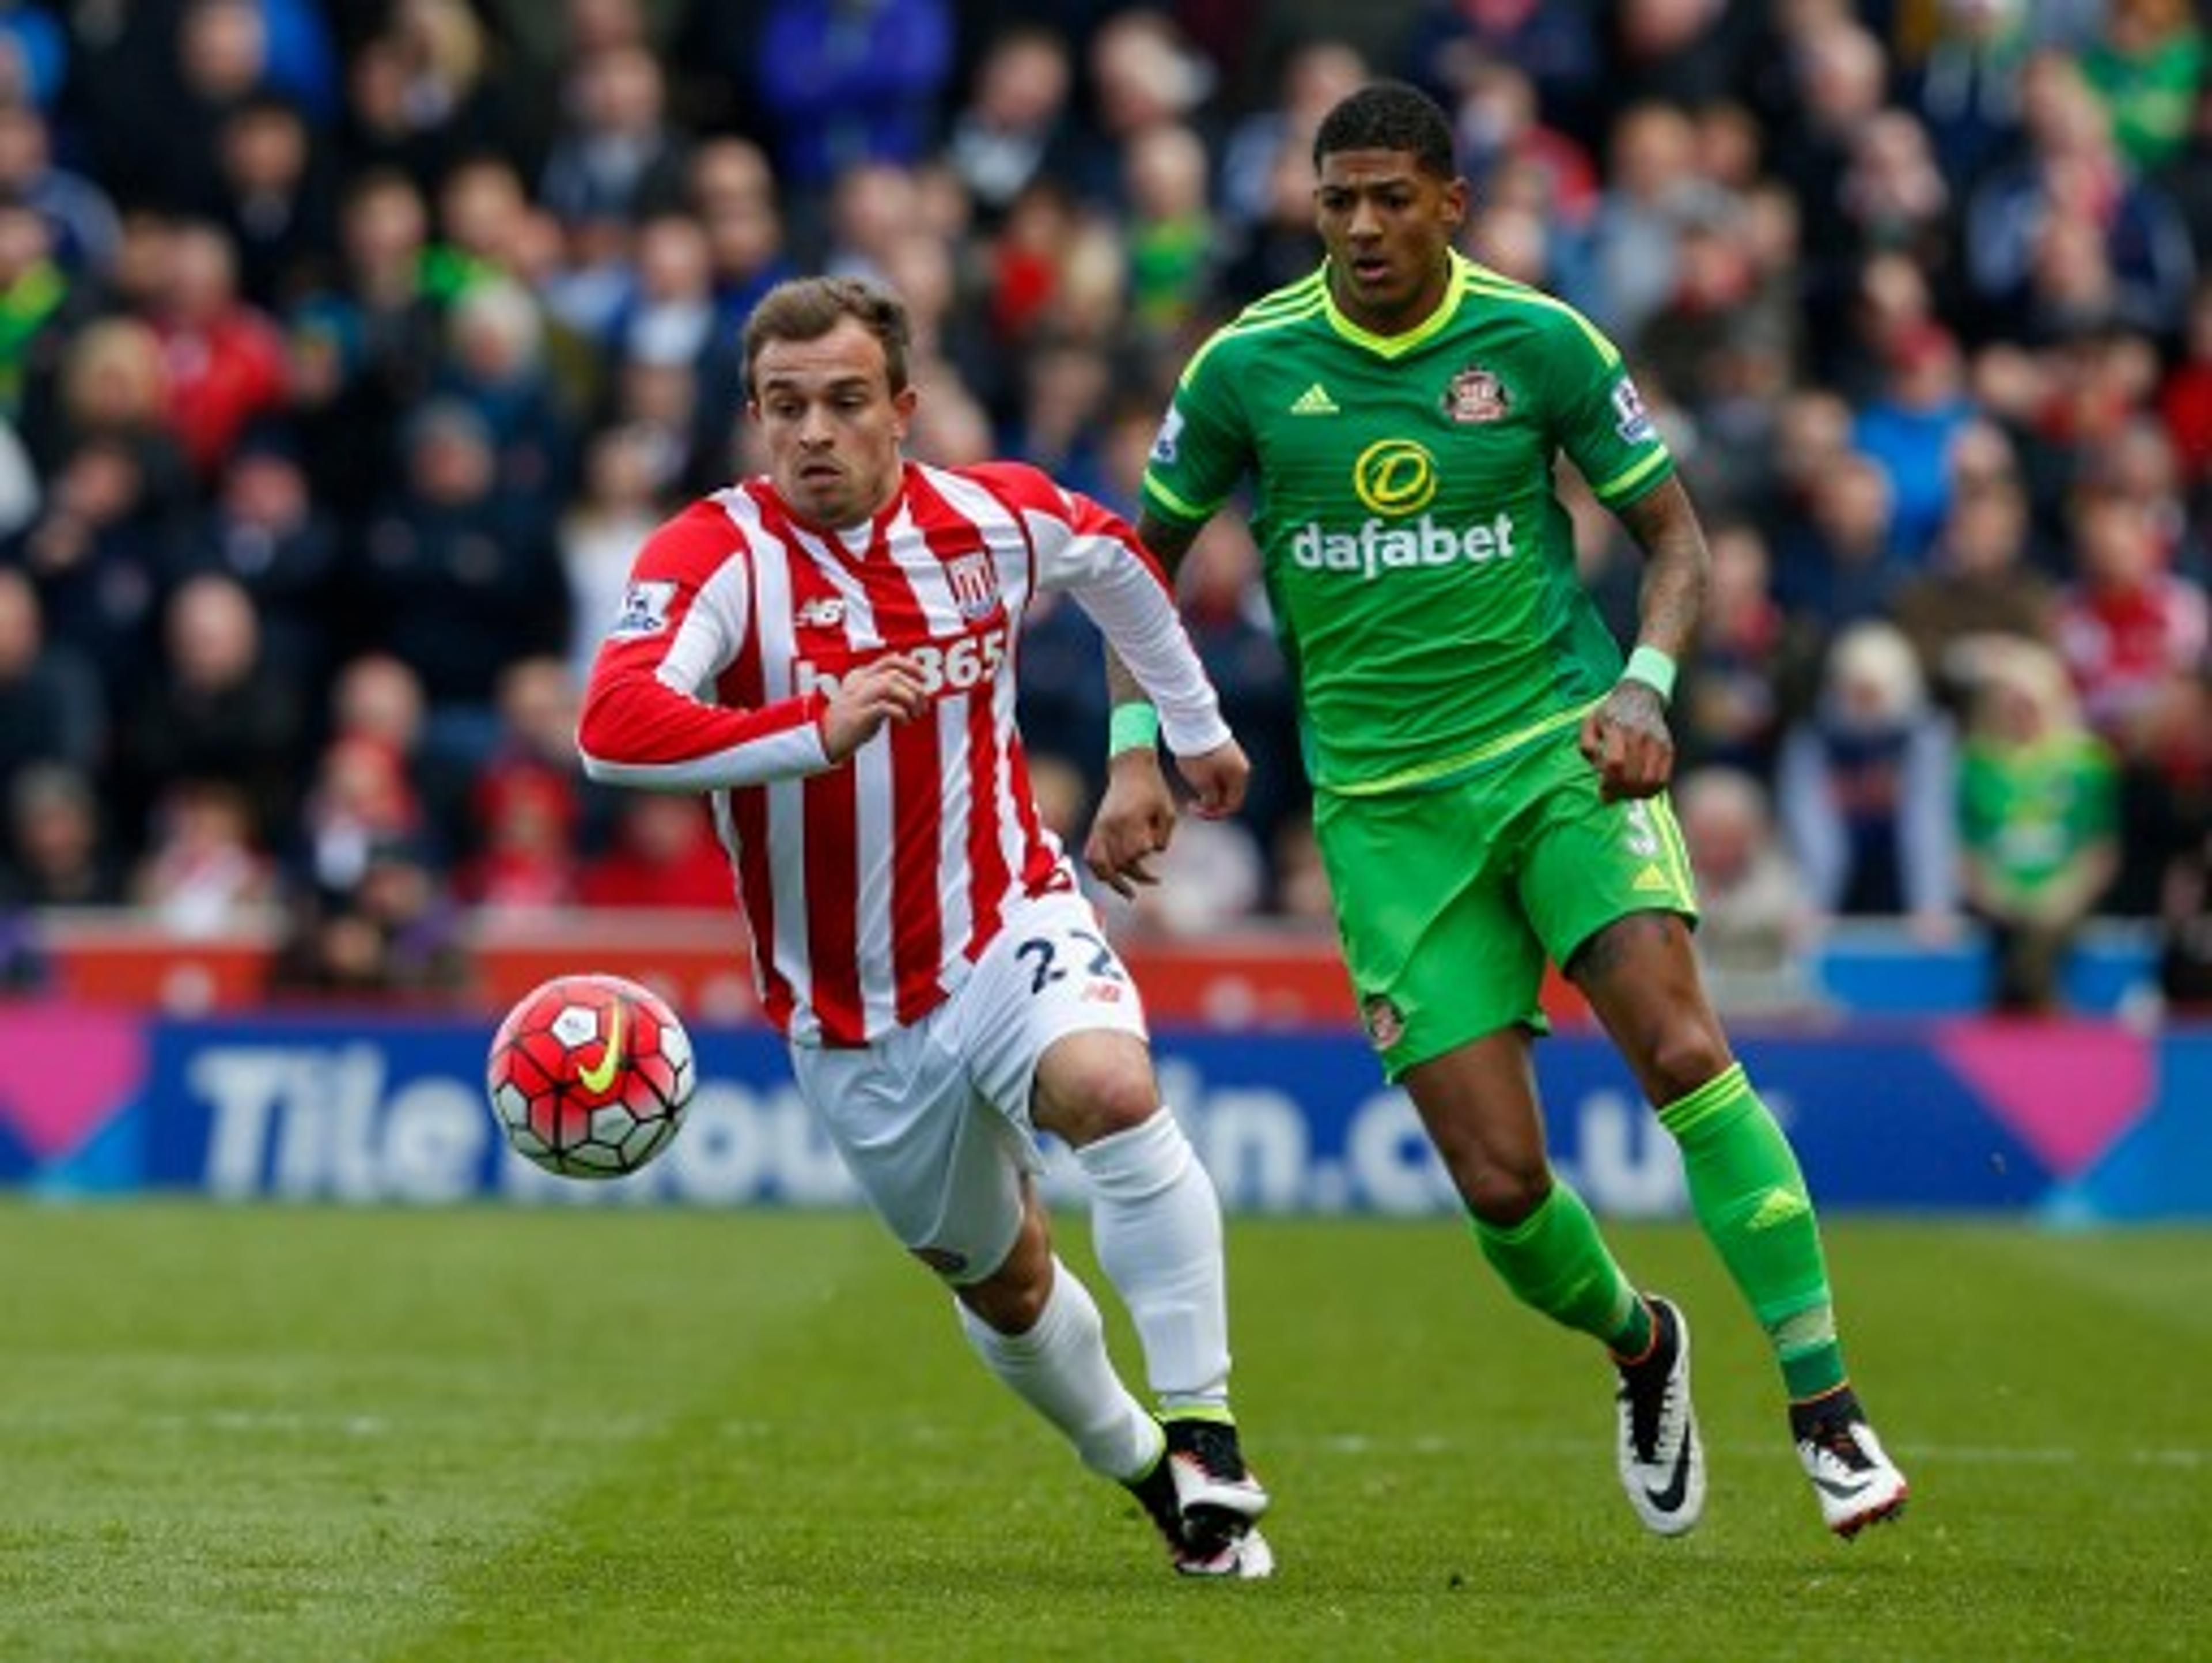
(275, 202)
(1749, 661)
(1840, 566)
(1893, 196)
(418, 96)
(376, 697)
(1016, 119)
(226, 359)
(359, 798)
(1683, 52)
(733, 193)
(1755, 925)
(459, 583)
(859, 80)
(50, 705)
(664, 854)
(1867, 787)
(615, 157)
(85, 234)
(1555, 42)
(204, 870)
(265, 532)
(1315, 76)
(2145, 66)
(2128, 622)
(33, 54)
(601, 533)
(362, 348)
(523, 834)
(1170, 232)
(2067, 179)
(1652, 190)
(2185, 398)
(1141, 71)
(1979, 588)
(42, 306)
(97, 555)
(496, 364)
(58, 847)
(394, 934)
(115, 387)
(215, 710)
(1966, 87)
(2038, 816)
(1908, 430)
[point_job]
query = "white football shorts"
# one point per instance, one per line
(934, 1120)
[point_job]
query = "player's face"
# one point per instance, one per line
(832, 424)
(1388, 227)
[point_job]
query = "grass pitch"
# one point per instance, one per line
(310, 1435)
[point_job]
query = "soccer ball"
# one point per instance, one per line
(590, 1076)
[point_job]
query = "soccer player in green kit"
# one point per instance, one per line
(1489, 779)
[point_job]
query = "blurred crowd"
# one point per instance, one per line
(349, 348)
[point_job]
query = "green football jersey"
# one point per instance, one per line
(1420, 566)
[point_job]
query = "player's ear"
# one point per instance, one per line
(903, 405)
(1455, 201)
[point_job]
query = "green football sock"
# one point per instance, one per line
(1751, 1201)
(1555, 1260)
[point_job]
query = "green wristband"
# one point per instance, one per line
(1649, 665)
(1132, 727)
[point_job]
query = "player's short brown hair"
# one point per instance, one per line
(808, 308)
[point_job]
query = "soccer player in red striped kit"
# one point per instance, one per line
(829, 651)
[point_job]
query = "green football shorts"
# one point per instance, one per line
(1449, 900)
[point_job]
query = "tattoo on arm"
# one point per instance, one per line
(1676, 566)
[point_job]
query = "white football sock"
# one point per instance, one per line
(1156, 1223)
(1060, 1368)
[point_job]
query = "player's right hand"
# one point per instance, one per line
(1135, 821)
(889, 689)
(1217, 779)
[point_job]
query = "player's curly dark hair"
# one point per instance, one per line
(1390, 115)
(808, 308)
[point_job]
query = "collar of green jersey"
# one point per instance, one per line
(1393, 346)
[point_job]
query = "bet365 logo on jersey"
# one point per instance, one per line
(959, 665)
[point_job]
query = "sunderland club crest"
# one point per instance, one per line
(1475, 394)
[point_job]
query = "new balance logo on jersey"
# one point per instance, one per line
(822, 612)
(1377, 546)
(1313, 401)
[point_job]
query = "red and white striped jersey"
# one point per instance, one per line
(872, 887)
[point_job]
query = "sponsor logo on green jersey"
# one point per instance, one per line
(1377, 546)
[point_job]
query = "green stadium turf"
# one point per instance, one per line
(315, 1435)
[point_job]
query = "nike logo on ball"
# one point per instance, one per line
(600, 1078)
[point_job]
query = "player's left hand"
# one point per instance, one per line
(1626, 740)
(1135, 821)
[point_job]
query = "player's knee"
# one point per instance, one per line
(1502, 1193)
(1086, 1092)
(1684, 1055)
